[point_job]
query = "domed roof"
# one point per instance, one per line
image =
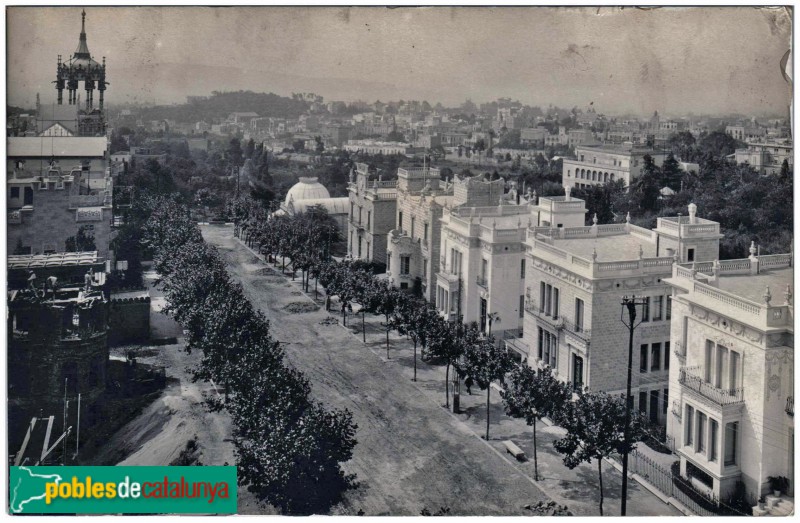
(306, 189)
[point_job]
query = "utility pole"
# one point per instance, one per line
(628, 304)
(456, 377)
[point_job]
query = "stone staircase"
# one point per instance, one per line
(776, 506)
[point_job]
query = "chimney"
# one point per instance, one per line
(567, 191)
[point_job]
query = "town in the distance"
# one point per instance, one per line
(401, 308)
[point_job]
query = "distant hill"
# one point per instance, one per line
(220, 105)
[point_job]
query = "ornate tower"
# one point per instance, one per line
(81, 67)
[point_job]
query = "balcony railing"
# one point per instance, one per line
(482, 282)
(688, 379)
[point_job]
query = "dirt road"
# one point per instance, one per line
(411, 453)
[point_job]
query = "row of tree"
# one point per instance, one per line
(289, 447)
(595, 422)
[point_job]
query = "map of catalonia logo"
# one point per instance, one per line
(122, 490)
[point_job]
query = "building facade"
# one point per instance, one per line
(373, 207)
(766, 158)
(413, 245)
(732, 373)
(602, 164)
(574, 287)
(56, 186)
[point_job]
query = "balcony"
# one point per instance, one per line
(689, 378)
(482, 282)
(559, 323)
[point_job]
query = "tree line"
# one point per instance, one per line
(289, 447)
(594, 420)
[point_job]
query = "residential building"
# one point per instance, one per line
(533, 136)
(578, 137)
(575, 283)
(373, 207)
(56, 185)
(481, 251)
(732, 374)
(413, 245)
(596, 165)
(746, 133)
(766, 158)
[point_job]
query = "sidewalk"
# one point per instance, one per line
(577, 488)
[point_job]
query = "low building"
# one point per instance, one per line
(596, 165)
(533, 136)
(732, 373)
(373, 207)
(766, 158)
(308, 193)
(575, 283)
(377, 147)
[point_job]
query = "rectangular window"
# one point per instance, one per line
(555, 303)
(359, 214)
(388, 261)
(643, 358)
(655, 356)
(731, 435)
(522, 269)
(713, 434)
(541, 343)
(578, 314)
(688, 435)
(669, 308)
(426, 232)
(708, 361)
(369, 219)
(646, 309)
(548, 300)
(658, 308)
(484, 268)
(412, 227)
(643, 402)
(667, 355)
(522, 306)
(405, 264)
(733, 366)
(690, 255)
(400, 220)
(15, 192)
(542, 296)
(701, 432)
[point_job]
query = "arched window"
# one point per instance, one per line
(612, 177)
(605, 177)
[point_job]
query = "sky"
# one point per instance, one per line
(675, 60)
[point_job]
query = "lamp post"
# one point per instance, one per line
(628, 304)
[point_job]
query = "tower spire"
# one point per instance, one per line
(83, 48)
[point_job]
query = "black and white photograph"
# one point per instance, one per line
(399, 261)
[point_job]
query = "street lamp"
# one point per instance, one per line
(628, 304)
